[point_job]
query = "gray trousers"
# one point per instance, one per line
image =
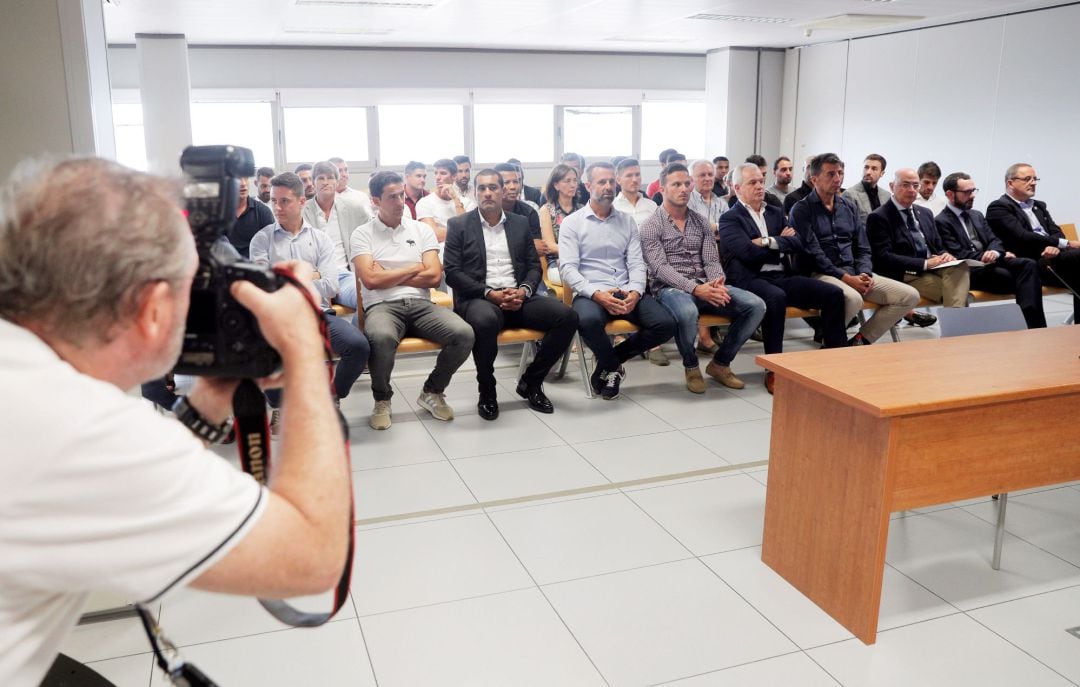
(387, 323)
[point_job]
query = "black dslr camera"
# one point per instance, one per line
(222, 338)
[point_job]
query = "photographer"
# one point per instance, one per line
(101, 493)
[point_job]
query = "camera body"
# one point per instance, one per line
(222, 338)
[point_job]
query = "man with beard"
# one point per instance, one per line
(436, 209)
(783, 171)
(415, 180)
(262, 183)
(803, 191)
(967, 236)
(463, 178)
(251, 216)
(600, 261)
(307, 178)
(867, 195)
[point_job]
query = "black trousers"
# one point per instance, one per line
(1014, 275)
(780, 290)
(538, 312)
(1067, 267)
(657, 326)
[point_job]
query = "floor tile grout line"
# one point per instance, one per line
(363, 637)
(721, 670)
(635, 568)
(445, 602)
(1019, 648)
(556, 494)
(1020, 598)
(551, 605)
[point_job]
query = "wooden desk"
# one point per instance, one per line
(858, 433)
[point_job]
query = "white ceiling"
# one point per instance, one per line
(648, 26)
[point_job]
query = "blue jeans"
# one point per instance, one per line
(745, 310)
(351, 345)
(346, 290)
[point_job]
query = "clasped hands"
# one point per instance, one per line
(617, 301)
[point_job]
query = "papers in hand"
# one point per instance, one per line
(969, 263)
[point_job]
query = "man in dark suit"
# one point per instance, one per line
(492, 267)
(967, 236)
(757, 250)
(1025, 227)
(906, 246)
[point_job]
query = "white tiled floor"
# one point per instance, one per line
(617, 584)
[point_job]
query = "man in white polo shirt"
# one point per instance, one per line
(436, 209)
(102, 493)
(397, 264)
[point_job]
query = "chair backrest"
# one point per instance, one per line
(983, 319)
(1070, 231)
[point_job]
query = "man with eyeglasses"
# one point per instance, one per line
(1026, 228)
(906, 246)
(967, 236)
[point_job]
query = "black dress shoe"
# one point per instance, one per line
(536, 398)
(488, 408)
(920, 319)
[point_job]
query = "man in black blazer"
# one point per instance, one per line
(905, 245)
(1025, 227)
(492, 267)
(758, 251)
(967, 236)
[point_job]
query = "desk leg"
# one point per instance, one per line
(827, 509)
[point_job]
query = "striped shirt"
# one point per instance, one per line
(682, 259)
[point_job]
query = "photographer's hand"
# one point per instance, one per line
(285, 317)
(212, 398)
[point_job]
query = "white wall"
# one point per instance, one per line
(276, 68)
(975, 97)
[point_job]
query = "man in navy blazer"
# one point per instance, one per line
(1026, 228)
(493, 269)
(905, 245)
(757, 251)
(967, 236)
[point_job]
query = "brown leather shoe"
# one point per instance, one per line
(770, 381)
(695, 383)
(724, 375)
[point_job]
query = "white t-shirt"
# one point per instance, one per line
(643, 210)
(440, 210)
(393, 248)
(99, 493)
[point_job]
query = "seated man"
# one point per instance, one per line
(436, 209)
(512, 202)
(687, 279)
(492, 267)
(600, 261)
(838, 253)
(758, 250)
(291, 238)
(337, 218)
(251, 216)
(1026, 228)
(397, 263)
(905, 245)
(967, 236)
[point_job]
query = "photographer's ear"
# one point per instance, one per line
(156, 314)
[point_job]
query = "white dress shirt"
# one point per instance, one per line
(500, 269)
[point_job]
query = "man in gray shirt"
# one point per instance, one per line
(783, 170)
(600, 261)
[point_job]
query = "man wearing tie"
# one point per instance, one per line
(1025, 227)
(967, 236)
(905, 245)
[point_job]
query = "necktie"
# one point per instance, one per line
(973, 238)
(916, 235)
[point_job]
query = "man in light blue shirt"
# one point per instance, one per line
(600, 261)
(291, 238)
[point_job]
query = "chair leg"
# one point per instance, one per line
(584, 365)
(565, 361)
(1071, 319)
(528, 350)
(895, 334)
(999, 535)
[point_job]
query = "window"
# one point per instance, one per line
(420, 132)
(319, 133)
(239, 124)
(130, 138)
(678, 125)
(598, 131)
(526, 132)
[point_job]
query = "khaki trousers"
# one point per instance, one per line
(894, 298)
(948, 286)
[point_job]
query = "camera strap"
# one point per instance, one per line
(180, 672)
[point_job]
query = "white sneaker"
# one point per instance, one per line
(380, 415)
(436, 405)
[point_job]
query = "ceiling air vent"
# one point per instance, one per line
(377, 4)
(740, 18)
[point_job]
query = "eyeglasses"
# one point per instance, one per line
(970, 191)
(1026, 179)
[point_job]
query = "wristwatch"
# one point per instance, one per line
(190, 418)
